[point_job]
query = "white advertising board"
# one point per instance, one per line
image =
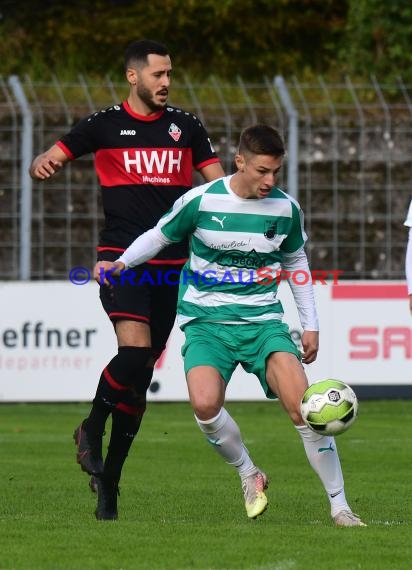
(55, 339)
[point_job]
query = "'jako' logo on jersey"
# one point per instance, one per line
(127, 132)
(174, 132)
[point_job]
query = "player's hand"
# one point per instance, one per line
(104, 270)
(310, 346)
(44, 168)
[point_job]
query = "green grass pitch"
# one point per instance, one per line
(181, 507)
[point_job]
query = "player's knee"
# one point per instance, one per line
(132, 361)
(141, 383)
(205, 410)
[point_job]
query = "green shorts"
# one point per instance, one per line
(225, 346)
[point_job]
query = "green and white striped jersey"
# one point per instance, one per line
(236, 250)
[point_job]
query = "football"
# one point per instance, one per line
(329, 407)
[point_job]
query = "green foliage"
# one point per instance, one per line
(378, 38)
(205, 37)
(181, 507)
(224, 38)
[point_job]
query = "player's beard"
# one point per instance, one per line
(147, 97)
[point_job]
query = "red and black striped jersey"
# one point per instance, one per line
(143, 165)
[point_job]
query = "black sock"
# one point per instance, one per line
(114, 384)
(126, 420)
(124, 429)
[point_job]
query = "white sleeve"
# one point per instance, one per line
(408, 221)
(302, 293)
(144, 247)
(408, 262)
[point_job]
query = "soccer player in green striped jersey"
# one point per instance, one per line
(243, 232)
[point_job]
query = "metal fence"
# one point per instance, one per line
(349, 163)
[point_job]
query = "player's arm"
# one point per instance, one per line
(48, 163)
(310, 346)
(142, 249)
(305, 303)
(295, 260)
(212, 171)
(174, 226)
(177, 224)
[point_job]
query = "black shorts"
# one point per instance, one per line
(147, 294)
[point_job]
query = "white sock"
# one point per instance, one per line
(223, 433)
(323, 457)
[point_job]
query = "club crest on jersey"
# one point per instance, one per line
(174, 132)
(270, 229)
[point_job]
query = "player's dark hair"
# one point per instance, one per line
(137, 52)
(261, 139)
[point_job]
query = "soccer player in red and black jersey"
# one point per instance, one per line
(145, 152)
